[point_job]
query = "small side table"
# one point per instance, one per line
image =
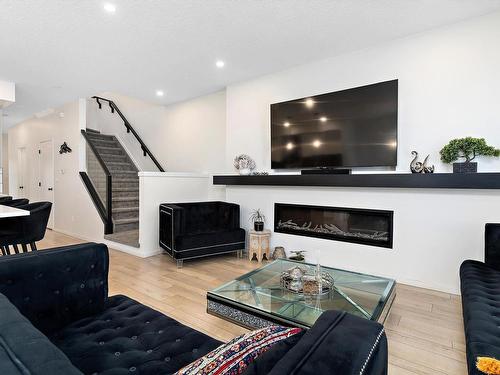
(259, 245)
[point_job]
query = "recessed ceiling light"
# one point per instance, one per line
(323, 119)
(159, 93)
(286, 124)
(316, 143)
(289, 145)
(309, 102)
(220, 64)
(110, 8)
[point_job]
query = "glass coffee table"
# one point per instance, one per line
(257, 299)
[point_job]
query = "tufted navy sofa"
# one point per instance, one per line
(56, 318)
(480, 287)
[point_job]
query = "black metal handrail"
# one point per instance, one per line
(129, 128)
(106, 213)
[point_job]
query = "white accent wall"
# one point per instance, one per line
(449, 86)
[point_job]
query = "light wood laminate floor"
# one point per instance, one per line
(424, 328)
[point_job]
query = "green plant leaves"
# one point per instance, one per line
(467, 148)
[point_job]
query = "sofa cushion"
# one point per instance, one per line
(128, 337)
(268, 359)
(480, 285)
(235, 356)
(24, 349)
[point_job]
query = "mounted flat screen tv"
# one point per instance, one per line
(349, 128)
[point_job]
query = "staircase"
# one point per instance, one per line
(112, 180)
(125, 188)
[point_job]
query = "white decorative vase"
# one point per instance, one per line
(245, 171)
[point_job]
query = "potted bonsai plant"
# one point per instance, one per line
(258, 220)
(467, 148)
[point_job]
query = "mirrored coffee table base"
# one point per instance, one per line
(257, 299)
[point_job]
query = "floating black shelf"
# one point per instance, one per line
(380, 180)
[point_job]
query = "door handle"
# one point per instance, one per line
(50, 189)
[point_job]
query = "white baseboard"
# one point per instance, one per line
(112, 245)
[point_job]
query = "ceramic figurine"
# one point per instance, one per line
(426, 168)
(416, 166)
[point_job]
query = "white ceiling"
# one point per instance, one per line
(59, 50)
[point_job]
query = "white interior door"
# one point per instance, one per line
(46, 182)
(22, 179)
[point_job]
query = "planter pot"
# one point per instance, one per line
(470, 167)
(258, 226)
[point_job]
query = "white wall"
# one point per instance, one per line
(7, 93)
(449, 86)
(184, 137)
(5, 163)
(74, 212)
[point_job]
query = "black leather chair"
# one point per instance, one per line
(480, 287)
(194, 230)
(25, 230)
(5, 199)
(15, 202)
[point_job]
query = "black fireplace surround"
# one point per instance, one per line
(363, 226)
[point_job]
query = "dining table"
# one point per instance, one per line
(6, 211)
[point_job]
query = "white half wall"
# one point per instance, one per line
(156, 188)
(449, 86)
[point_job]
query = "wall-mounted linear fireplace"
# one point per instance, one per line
(363, 226)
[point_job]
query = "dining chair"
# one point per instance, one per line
(23, 231)
(15, 202)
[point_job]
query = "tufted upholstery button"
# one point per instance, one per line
(40, 275)
(108, 320)
(132, 369)
(177, 340)
(82, 285)
(147, 322)
(134, 337)
(118, 327)
(149, 351)
(101, 342)
(117, 354)
(92, 266)
(68, 269)
(167, 359)
(56, 292)
(195, 350)
(160, 331)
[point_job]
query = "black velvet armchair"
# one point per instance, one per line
(193, 230)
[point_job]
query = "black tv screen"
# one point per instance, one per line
(349, 128)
